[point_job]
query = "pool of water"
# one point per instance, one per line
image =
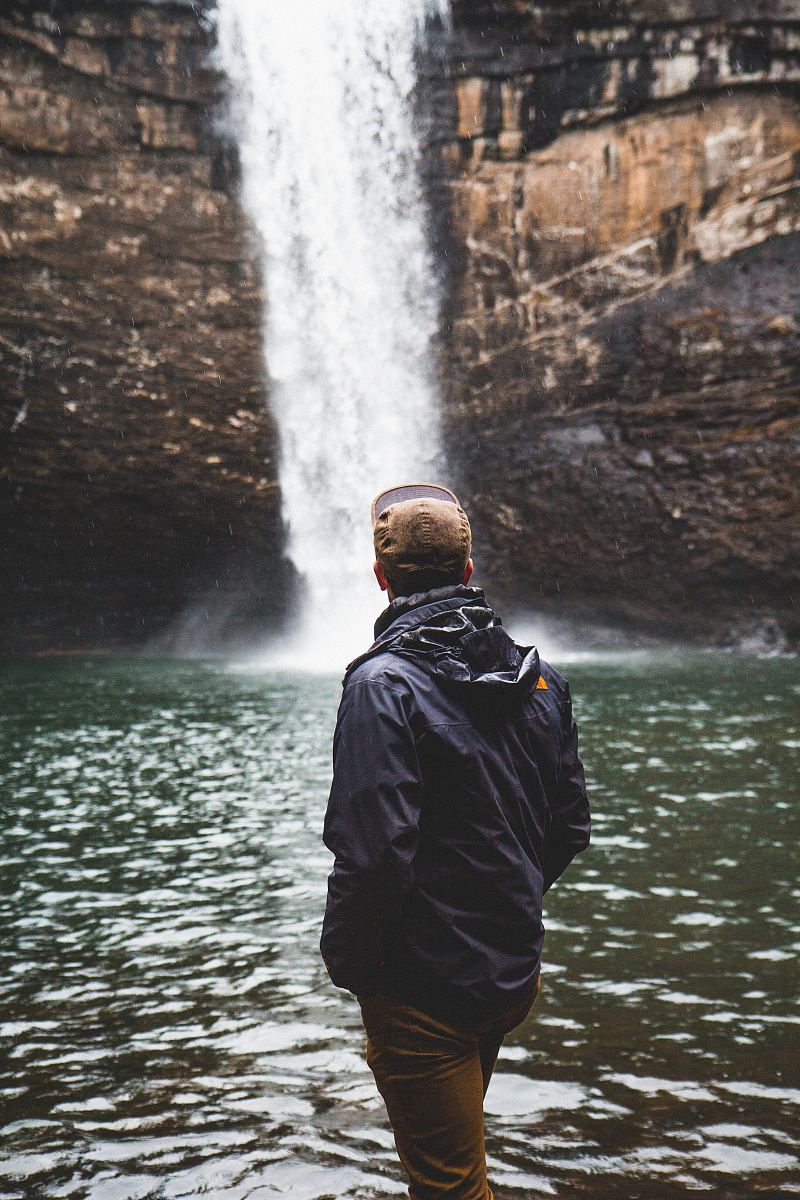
(166, 1025)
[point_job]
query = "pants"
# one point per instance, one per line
(433, 1077)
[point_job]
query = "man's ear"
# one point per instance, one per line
(383, 582)
(468, 569)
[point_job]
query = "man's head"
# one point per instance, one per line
(422, 539)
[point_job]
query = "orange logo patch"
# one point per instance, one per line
(541, 684)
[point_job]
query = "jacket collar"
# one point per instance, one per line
(403, 605)
(407, 611)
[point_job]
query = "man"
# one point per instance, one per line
(458, 799)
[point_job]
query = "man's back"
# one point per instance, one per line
(458, 797)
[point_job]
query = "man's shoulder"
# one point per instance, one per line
(382, 683)
(382, 669)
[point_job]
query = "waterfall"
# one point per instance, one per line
(321, 107)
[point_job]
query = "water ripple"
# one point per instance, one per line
(167, 1026)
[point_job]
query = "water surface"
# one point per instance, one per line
(166, 1026)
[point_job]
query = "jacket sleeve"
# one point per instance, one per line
(372, 828)
(570, 825)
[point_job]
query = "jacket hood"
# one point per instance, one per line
(459, 639)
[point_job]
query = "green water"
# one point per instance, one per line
(166, 1025)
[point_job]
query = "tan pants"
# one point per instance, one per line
(433, 1077)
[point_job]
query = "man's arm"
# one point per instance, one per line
(570, 826)
(372, 827)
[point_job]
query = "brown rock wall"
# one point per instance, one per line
(138, 467)
(623, 310)
(615, 204)
(606, 213)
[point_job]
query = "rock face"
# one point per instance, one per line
(624, 308)
(138, 461)
(615, 192)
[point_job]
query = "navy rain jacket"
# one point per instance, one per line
(458, 798)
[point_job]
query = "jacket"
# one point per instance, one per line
(458, 798)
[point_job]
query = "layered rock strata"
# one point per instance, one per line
(624, 322)
(138, 476)
(615, 208)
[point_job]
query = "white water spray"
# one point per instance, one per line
(322, 105)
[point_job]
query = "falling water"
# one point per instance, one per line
(322, 110)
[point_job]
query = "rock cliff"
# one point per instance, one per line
(624, 338)
(139, 456)
(615, 194)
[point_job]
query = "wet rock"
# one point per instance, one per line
(137, 477)
(616, 207)
(623, 184)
